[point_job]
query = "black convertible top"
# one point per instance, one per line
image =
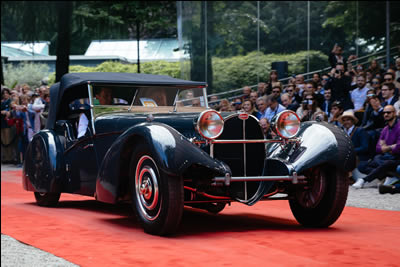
(73, 79)
(79, 80)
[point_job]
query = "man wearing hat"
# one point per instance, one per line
(358, 136)
(387, 149)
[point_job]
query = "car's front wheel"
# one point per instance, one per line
(157, 197)
(322, 200)
(47, 199)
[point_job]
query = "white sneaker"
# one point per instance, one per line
(390, 180)
(359, 184)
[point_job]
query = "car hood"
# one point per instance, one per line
(120, 122)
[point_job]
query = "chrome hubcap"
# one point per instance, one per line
(146, 188)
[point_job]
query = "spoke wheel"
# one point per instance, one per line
(322, 201)
(313, 194)
(157, 198)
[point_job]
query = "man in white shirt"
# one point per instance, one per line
(359, 95)
(37, 106)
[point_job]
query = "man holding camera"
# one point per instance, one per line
(340, 86)
(336, 56)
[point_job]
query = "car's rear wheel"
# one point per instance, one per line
(157, 198)
(321, 202)
(47, 199)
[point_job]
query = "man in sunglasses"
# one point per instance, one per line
(387, 149)
(290, 90)
(388, 94)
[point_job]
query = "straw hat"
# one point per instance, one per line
(348, 114)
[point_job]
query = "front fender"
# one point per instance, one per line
(173, 152)
(319, 143)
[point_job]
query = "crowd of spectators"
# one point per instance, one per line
(23, 113)
(356, 98)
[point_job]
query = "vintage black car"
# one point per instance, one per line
(152, 140)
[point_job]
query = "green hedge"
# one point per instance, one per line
(236, 72)
(25, 73)
(229, 73)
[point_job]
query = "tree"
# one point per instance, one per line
(40, 16)
(64, 12)
(372, 21)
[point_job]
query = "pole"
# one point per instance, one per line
(258, 41)
(180, 35)
(357, 31)
(308, 37)
(205, 39)
(387, 35)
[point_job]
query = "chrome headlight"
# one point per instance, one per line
(287, 124)
(210, 124)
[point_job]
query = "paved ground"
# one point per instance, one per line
(15, 253)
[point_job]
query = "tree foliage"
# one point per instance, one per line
(29, 73)
(372, 20)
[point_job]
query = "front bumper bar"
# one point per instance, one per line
(227, 180)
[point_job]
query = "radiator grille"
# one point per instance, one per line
(243, 159)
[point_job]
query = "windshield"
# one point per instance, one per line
(145, 98)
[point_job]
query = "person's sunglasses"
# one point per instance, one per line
(387, 112)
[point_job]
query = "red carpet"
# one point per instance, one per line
(91, 233)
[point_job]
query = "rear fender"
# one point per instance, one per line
(44, 166)
(173, 153)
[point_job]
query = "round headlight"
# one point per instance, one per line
(210, 124)
(287, 124)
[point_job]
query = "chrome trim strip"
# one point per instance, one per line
(90, 93)
(294, 179)
(205, 97)
(133, 100)
(253, 141)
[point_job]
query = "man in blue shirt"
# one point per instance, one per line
(274, 107)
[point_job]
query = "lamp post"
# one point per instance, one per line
(387, 35)
(308, 38)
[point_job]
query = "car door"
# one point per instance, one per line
(82, 165)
